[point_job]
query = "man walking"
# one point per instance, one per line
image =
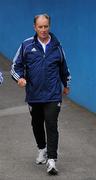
(40, 66)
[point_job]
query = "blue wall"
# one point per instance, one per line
(73, 21)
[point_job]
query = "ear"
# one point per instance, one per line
(34, 27)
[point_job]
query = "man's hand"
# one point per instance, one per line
(66, 90)
(22, 82)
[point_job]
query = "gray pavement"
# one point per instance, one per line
(77, 139)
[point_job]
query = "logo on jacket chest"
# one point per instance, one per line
(33, 50)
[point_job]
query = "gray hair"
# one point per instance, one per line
(45, 15)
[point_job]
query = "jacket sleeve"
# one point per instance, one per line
(64, 71)
(1, 78)
(17, 69)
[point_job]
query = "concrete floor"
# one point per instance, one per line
(77, 139)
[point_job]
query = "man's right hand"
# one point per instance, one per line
(22, 82)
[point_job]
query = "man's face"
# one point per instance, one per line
(42, 28)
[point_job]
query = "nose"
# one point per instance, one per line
(43, 28)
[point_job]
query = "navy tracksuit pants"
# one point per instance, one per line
(45, 126)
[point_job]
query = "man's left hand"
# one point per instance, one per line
(66, 90)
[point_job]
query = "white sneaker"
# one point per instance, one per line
(42, 156)
(51, 167)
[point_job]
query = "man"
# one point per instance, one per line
(40, 67)
(1, 78)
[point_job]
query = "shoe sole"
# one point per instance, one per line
(53, 172)
(43, 162)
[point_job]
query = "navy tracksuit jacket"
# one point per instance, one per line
(44, 72)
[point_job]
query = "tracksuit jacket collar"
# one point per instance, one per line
(54, 42)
